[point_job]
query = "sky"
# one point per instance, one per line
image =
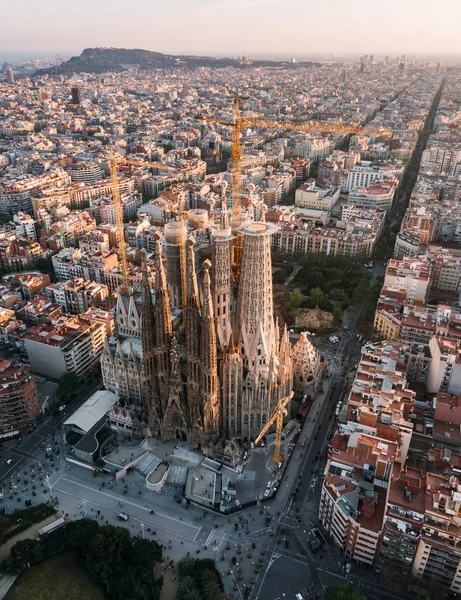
(230, 27)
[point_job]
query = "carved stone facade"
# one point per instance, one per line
(220, 376)
(256, 367)
(307, 369)
(120, 366)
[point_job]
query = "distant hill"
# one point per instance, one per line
(101, 60)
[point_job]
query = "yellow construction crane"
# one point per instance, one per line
(114, 163)
(277, 417)
(238, 122)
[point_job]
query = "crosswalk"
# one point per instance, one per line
(287, 520)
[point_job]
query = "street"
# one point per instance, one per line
(262, 552)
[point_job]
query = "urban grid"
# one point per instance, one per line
(230, 327)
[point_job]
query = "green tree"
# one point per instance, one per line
(279, 276)
(68, 384)
(136, 583)
(344, 591)
(23, 554)
(81, 533)
(210, 585)
(187, 567)
(185, 586)
(109, 552)
(145, 553)
(295, 300)
(338, 314)
(318, 297)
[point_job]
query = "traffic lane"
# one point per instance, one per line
(285, 575)
(30, 443)
(106, 500)
(10, 461)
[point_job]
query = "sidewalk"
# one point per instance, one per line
(6, 581)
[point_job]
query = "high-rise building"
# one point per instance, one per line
(10, 75)
(76, 95)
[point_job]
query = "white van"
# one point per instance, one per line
(122, 517)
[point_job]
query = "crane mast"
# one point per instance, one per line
(114, 165)
(277, 418)
(114, 162)
(237, 244)
(237, 123)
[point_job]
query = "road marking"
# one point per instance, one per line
(126, 502)
(114, 510)
(210, 537)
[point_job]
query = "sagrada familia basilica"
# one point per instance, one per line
(212, 367)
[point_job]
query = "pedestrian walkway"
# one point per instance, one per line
(6, 581)
(289, 521)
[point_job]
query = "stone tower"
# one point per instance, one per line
(255, 315)
(148, 333)
(221, 276)
(192, 335)
(162, 343)
(256, 372)
(208, 361)
(173, 232)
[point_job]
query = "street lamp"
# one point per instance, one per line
(142, 529)
(84, 507)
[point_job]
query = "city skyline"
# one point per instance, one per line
(253, 26)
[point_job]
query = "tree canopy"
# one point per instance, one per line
(344, 591)
(199, 580)
(68, 384)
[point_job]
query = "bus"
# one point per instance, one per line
(51, 526)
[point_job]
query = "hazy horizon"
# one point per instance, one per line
(231, 27)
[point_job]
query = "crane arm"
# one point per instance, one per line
(322, 127)
(308, 126)
(280, 408)
(267, 426)
(142, 163)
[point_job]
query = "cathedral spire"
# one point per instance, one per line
(192, 334)
(192, 286)
(208, 363)
(162, 341)
(224, 214)
(147, 338)
(163, 326)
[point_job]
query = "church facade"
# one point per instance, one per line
(221, 374)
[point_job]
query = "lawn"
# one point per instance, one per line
(58, 578)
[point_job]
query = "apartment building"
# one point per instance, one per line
(77, 295)
(74, 346)
(373, 436)
(413, 276)
(19, 400)
(446, 269)
(403, 519)
(353, 496)
(441, 159)
(16, 193)
(438, 556)
(25, 225)
(444, 373)
(315, 197)
(408, 243)
(70, 263)
(377, 195)
(88, 172)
